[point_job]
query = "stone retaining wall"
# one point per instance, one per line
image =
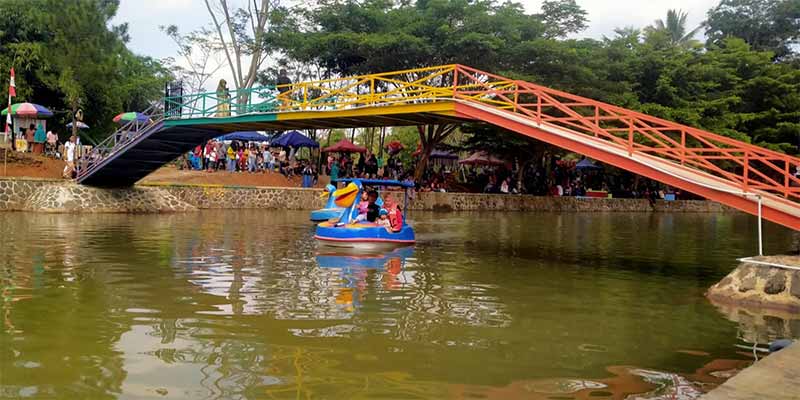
(758, 286)
(62, 196)
(493, 202)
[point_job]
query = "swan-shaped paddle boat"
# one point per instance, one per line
(331, 210)
(351, 231)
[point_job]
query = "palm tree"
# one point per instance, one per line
(674, 28)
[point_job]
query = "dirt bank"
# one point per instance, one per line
(24, 165)
(171, 174)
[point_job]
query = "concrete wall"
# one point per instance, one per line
(757, 286)
(62, 196)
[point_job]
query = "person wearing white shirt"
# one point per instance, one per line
(69, 149)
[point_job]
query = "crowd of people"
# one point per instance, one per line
(250, 157)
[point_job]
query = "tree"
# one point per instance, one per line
(507, 144)
(673, 29)
(198, 53)
(67, 55)
(351, 38)
(562, 18)
(766, 25)
(241, 34)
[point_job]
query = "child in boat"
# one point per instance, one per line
(396, 218)
(363, 207)
(384, 220)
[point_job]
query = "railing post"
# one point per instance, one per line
(596, 120)
(746, 176)
(683, 146)
(630, 136)
(516, 96)
(786, 178)
(455, 81)
(539, 108)
(372, 95)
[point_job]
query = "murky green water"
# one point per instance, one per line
(242, 304)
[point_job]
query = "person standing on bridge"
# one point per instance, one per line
(223, 99)
(284, 84)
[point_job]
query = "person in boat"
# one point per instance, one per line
(373, 210)
(396, 218)
(384, 220)
(363, 207)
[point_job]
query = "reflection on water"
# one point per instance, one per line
(244, 305)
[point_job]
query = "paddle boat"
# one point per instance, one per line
(350, 231)
(331, 210)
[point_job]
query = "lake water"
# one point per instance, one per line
(243, 305)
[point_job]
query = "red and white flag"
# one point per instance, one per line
(12, 87)
(12, 92)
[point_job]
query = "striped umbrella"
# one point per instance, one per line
(126, 117)
(28, 110)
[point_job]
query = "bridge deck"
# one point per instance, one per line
(154, 149)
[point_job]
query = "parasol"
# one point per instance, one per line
(345, 146)
(29, 110)
(131, 116)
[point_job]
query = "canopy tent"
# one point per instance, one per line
(28, 110)
(586, 164)
(482, 158)
(23, 115)
(245, 136)
(345, 146)
(294, 139)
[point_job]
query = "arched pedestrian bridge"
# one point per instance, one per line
(732, 172)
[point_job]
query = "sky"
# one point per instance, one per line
(145, 16)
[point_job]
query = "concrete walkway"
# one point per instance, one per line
(776, 377)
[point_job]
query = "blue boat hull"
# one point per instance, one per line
(364, 236)
(325, 214)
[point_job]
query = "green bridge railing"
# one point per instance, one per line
(215, 104)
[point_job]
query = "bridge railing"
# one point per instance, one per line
(217, 104)
(125, 135)
(748, 166)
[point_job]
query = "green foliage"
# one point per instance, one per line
(766, 25)
(731, 86)
(563, 17)
(672, 31)
(66, 56)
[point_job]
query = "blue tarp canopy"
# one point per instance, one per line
(378, 182)
(293, 139)
(586, 164)
(247, 136)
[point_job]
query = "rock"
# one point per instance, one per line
(776, 283)
(747, 284)
(725, 282)
(795, 285)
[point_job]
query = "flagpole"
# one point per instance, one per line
(12, 92)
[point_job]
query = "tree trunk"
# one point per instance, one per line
(429, 137)
(422, 163)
